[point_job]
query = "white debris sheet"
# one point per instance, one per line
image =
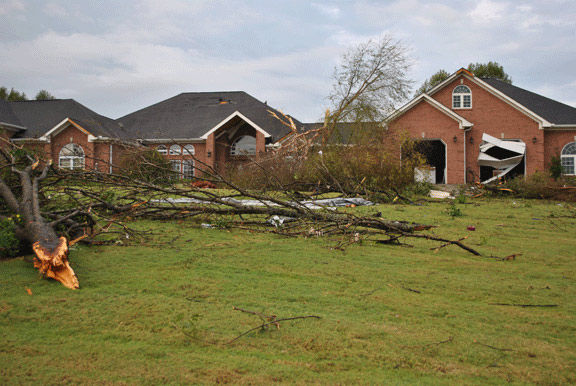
(440, 194)
(326, 203)
(504, 165)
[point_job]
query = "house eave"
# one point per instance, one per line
(12, 127)
(241, 116)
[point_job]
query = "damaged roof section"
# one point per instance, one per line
(502, 155)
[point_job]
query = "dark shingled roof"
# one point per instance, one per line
(191, 115)
(40, 116)
(7, 114)
(549, 109)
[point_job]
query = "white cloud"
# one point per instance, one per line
(331, 11)
(10, 6)
(487, 11)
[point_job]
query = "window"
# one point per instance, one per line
(175, 150)
(71, 157)
(462, 97)
(568, 159)
(188, 168)
(188, 150)
(162, 149)
(245, 145)
(176, 167)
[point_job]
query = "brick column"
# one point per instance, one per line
(260, 144)
(211, 150)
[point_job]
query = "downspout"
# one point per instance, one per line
(110, 159)
(465, 157)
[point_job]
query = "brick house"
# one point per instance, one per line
(215, 128)
(65, 131)
(474, 129)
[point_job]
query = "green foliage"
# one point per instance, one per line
(12, 95)
(489, 70)
(44, 95)
(146, 165)
(454, 211)
(429, 83)
(555, 167)
(481, 70)
(9, 244)
(165, 306)
(460, 199)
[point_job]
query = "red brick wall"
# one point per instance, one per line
(555, 141)
(493, 116)
(72, 135)
(424, 121)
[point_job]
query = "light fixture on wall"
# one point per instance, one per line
(534, 140)
(209, 154)
(471, 139)
(455, 139)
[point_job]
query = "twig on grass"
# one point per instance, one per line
(523, 305)
(450, 339)
(493, 347)
(276, 321)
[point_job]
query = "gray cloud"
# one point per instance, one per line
(119, 56)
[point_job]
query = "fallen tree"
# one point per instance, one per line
(51, 250)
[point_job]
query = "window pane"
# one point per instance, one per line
(245, 145)
(456, 101)
(65, 163)
(188, 168)
(162, 149)
(568, 165)
(467, 101)
(569, 149)
(188, 150)
(175, 150)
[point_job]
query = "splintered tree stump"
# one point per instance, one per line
(52, 261)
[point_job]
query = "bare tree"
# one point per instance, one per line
(370, 81)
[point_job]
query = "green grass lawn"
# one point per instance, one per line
(162, 311)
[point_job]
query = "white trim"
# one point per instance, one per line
(235, 114)
(542, 123)
(11, 127)
(63, 125)
(566, 127)
(463, 124)
(172, 140)
(465, 171)
(28, 140)
(110, 159)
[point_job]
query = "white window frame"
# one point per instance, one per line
(568, 156)
(189, 150)
(459, 97)
(235, 152)
(188, 169)
(74, 161)
(162, 149)
(175, 150)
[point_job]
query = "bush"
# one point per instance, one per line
(542, 185)
(146, 165)
(9, 244)
(555, 167)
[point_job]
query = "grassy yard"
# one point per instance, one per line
(162, 312)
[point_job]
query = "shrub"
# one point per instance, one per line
(555, 167)
(9, 243)
(146, 165)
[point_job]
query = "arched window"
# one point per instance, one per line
(461, 97)
(188, 150)
(568, 159)
(71, 157)
(175, 150)
(162, 149)
(245, 145)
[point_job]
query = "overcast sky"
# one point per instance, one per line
(119, 56)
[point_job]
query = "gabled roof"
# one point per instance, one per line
(39, 117)
(7, 115)
(462, 122)
(553, 111)
(192, 115)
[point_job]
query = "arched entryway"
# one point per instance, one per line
(434, 153)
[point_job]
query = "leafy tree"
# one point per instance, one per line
(481, 70)
(370, 80)
(44, 95)
(429, 83)
(489, 70)
(13, 95)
